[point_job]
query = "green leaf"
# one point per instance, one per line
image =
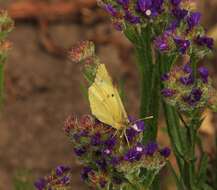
(84, 91)
(179, 182)
(202, 173)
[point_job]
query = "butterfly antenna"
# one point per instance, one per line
(141, 119)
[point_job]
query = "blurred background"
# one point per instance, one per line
(43, 87)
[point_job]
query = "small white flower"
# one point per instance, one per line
(148, 12)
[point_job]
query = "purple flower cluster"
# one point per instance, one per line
(103, 150)
(182, 31)
(60, 178)
(135, 12)
(182, 89)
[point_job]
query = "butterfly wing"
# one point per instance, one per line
(105, 101)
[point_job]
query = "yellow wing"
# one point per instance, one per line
(105, 101)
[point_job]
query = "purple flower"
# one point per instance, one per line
(175, 2)
(204, 74)
(40, 184)
(118, 26)
(194, 97)
(162, 42)
(61, 169)
(167, 92)
(193, 20)
(150, 148)
(149, 7)
(187, 80)
(131, 133)
(96, 139)
(157, 6)
(111, 10)
(101, 164)
(134, 154)
(179, 13)
(139, 126)
(65, 180)
(187, 69)
(165, 77)
(84, 173)
(131, 18)
(115, 161)
(110, 142)
(102, 183)
(205, 41)
(182, 44)
(80, 151)
(144, 5)
(196, 93)
(173, 25)
(165, 152)
(123, 2)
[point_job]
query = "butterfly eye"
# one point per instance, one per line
(113, 95)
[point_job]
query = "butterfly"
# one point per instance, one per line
(105, 101)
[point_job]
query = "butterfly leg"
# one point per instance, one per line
(125, 135)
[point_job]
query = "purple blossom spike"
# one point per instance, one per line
(111, 10)
(194, 97)
(193, 20)
(80, 151)
(101, 164)
(123, 2)
(165, 152)
(115, 161)
(150, 148)
(187, 80)
(182, 44)
(134, 154)
(175, 2)
(197, 93)
(187, 69)
(205, 41)
(131, 18)
(65, 180)
(139, 126)
(84, 173)
(131, 133)
(118, 26)
(111, 142)
(61, 169)
(173, 25)
(179, 13)
(165, 77)
(144, 5)
(102, 183)
(96, 139)
(162, 42)
(40, 184)
(204, 74)
(166, 92)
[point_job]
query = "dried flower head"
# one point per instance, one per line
(82, 51)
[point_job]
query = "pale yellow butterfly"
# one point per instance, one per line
(105, 101)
